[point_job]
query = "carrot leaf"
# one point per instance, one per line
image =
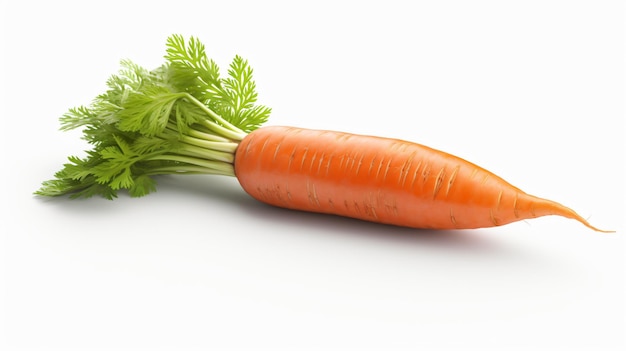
(180, 118)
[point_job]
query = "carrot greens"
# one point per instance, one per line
(181, 117)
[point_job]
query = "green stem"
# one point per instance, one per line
(216, 117)
(212, 149)
(185, 169)
(224, 167)
(173, 129)
(211, 155)
(228, 147)
(214, 127)
(206, 136)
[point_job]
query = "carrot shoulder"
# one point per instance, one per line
(380, 180)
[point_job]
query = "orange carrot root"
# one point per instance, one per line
(380, 180)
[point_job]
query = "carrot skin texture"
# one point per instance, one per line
(380, 180)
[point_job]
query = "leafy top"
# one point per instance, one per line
(233, 98)
(181, 117)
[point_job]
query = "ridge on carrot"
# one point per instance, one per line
(184, 118)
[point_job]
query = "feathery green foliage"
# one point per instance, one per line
(180, 118)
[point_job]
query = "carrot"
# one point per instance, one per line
(380, 180)
(184, 118)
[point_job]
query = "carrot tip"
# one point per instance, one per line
(588, 225)
(560, 210)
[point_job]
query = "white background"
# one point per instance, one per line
(532, 90)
